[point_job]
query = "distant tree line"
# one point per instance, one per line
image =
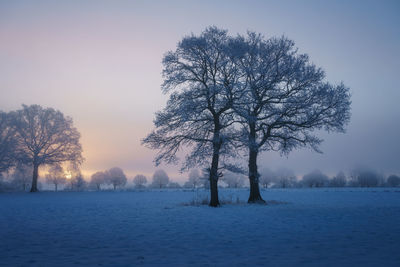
(359, 177)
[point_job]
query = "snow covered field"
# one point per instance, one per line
(316, 227)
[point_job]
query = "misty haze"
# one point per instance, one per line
(205, 133)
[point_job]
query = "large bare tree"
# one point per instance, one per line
(286, 100)
(198, 116)
(46, 136)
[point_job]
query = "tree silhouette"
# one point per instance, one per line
(285, 100)
(198, 114)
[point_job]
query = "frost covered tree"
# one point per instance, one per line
(46, 137)
(56, 176)
(173, 185)
(78, 183)
(286, 100)
(267, 177)
(315, 179)
(160, 179)
(8, 142)
(75, 177)
(339, 180)
(116, 177)
(97, 179)
(202, 82)
(140, 180)
(21, 176)
(194, 179)
(234, 180)
(285, 177)
(393, 180)
(366, 177)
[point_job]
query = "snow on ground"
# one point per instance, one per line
(317, 227)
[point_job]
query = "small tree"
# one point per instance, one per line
(174, 185)
(21, 176)
(140, 180)
(56, 176)
(160, 179)
(116, 177)
(45, 137)
(267, 177)
(315, 179)
(97, 179)
(393, 180)
(234, 180)
(75, 177)
(339, 180)
(366, 177)
(78, 183)
(194, 179)
(285, 178)
(8, 142)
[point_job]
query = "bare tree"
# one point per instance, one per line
(140, 180)
(267, 177)
(56, 176)
(45, 136)
(393, 180)
(194, 179)
(285, 177)
(315, 179)
(366, 177)
(77, 182)
(97, 179)
(160, 179)
(233, 180)
(21, 176)
(8, 142)
(116, 177)
(174, 185)
(339, 180)
(198, 114)
(286, 100)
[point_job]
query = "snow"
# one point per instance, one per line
(306, 227)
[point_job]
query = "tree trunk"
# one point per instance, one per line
(214, 201)
(255, 196)
(114, 186)
(35, 177)
(56, 187)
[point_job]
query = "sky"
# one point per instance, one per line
(99, 62)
